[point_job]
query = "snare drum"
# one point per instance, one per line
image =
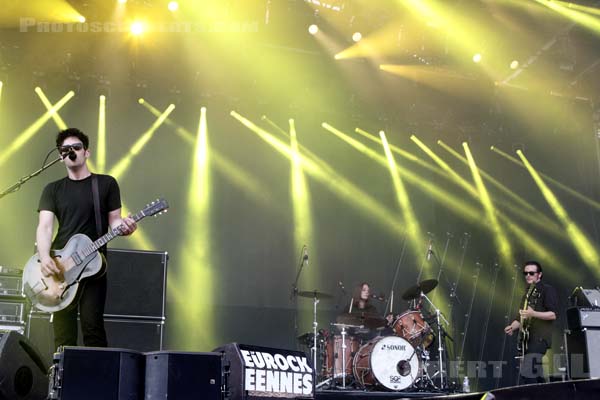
(412, 327)
(390, 362)
(338, 359)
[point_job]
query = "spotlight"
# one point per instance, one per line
(137, 28)
(122, 1)
(514, 64)
(477, 58)
(173, 6)
(81, 19)
(313, 29)
(357, 36)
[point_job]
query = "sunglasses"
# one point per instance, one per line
(530, 273)
(67, 148)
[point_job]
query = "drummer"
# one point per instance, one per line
(361, 304)
(361, 300)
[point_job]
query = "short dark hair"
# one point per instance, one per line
(537, 264)
(72, 132)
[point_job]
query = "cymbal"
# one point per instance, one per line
(367, 320)
(312, 294)
(424, 287)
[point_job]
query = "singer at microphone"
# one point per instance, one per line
(67, 201)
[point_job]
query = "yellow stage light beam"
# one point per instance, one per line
(303, 232)
(455, 177)
(451, 202)
(447, 199)
(551, 180)
(590, 22)
(502, 242)
(579, 7)
(528, 212)
(32, 129)
(331, 180)
(1, 86)
(37, 16)
(324, 166)
(583, 246)
(121, 167)
(302, 214)
(441, 79)
(57, 119)
(413, 229)
(403, 153)
(101, 155)
(234, 174)
(196, 279)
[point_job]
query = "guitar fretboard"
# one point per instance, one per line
(101, 241)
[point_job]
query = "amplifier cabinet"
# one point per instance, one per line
(12, 312)
(97, 374)
(583, 349)
(11, 286)
(137, 282)
(578, 318)
(139, 335)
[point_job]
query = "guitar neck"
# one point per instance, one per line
(110, 235)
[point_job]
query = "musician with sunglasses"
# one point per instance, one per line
(70, 201)
(538, 318)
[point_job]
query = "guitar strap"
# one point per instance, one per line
(96, 195)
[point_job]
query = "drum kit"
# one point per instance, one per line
(368, 352)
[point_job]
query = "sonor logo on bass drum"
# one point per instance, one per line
(400, 347)
(395, 379)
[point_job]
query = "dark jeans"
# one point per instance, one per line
(532, 370)
(90, 303)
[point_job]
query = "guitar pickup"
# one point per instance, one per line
(33, 292)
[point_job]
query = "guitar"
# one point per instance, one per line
(523, 340)
(79, 259)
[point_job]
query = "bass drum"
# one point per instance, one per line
(390, 361)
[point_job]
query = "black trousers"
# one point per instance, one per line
(532, 370)
(90, 304)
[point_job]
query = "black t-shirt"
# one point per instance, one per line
(543, 299)
(72, 202)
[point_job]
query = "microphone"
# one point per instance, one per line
(429, 251)
(305, 255)
(68, 152)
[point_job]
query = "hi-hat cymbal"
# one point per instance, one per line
(313, 293)
(424, 287)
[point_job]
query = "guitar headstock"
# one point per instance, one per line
(157, 207)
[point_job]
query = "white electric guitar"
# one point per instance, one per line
(79, 259)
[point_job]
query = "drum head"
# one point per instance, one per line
(394, 363)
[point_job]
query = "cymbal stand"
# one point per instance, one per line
(439, 318)
(315, 325)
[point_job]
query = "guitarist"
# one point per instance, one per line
(71, 202)
(538, 319)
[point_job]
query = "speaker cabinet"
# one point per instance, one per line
(180, 375)
(97, 374)
(131, 276)
(139, 335)
(584, 347)
(22, 370)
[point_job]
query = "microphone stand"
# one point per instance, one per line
(17, 185)
(388, 304)
(294, 296)
(439, 315)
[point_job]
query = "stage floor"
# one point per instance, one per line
(580, 389)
